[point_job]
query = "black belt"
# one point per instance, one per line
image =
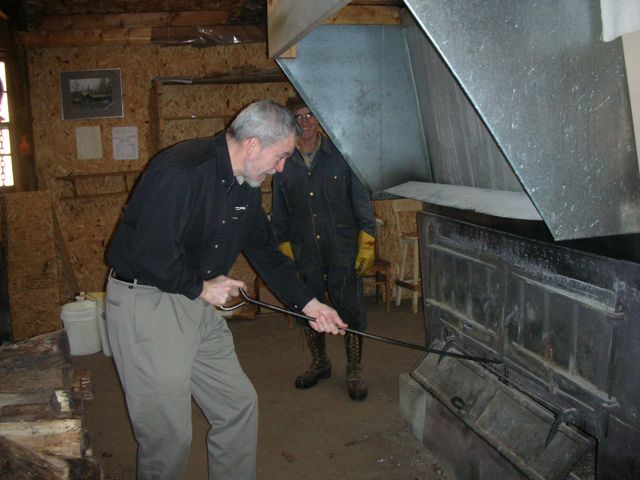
(132, 281)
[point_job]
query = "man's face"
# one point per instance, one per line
(307, 122)
(267, 161)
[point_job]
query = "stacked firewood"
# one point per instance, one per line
(41, 412)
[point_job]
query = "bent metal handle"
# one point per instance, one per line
(393, 341)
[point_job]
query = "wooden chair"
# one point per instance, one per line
(408, 239)
(381, 272)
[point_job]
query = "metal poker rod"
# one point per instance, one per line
(393, 341)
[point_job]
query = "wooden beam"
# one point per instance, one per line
(41, 363)
(67, 281)
(64, 438)
(84, 38)
(41, 428)
(132, 20)
(166, 28)
(216, 34)
(21, 462)
(366, 15)
(290, 53)
(206, 35)
(290, 20)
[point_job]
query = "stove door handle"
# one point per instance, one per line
(457, 402)
(511, 316)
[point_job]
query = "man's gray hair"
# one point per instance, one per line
(265, 120)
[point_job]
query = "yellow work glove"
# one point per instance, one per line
(285, 248)
(366, 252)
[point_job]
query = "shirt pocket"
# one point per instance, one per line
(335, 189)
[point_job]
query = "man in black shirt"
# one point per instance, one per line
(192, 212)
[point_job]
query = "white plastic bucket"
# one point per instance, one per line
(102, 322)
(81, 323)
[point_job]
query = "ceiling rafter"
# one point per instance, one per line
(188, 27)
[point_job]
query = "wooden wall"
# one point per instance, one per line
(88, 207)
(31, 264)
(87, 222)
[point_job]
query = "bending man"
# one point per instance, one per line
(192, 212)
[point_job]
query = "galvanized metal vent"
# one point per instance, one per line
(495, 95)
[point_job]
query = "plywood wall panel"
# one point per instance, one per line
(31, 265)
(219, 100)
(197, 110)
(87, 224)
(55, 138)
(177, 130)
(207, 100)
(98, 185)
(278, 92)
(211, 62)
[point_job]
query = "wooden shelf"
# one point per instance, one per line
(182, 118)
(168, 111)
(73, 182)
(262, 77)
(91, 196)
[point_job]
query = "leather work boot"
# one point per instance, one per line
(320, 365)
(355, 384)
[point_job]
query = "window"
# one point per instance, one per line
(6, 167)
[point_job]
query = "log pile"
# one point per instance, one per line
(41, 412)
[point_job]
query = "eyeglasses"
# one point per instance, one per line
(307, 115)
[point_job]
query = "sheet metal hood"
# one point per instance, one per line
(514, 109)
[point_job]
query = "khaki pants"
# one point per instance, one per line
(168, 348)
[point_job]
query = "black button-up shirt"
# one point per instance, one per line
(188, 219)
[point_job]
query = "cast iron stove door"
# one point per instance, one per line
(565, 323)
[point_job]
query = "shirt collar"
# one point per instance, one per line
(224, 170)
(324, 146)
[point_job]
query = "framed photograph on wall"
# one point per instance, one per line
(91, 94)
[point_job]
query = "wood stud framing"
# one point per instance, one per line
(149, 28)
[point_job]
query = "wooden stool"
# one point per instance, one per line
(381, 272)
(407, 240)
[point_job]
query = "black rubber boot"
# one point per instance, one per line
(355, 384)
(320, 365)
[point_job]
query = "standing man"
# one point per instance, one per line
(323, 220)
(192, 212)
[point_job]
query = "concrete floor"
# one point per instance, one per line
(314, 434)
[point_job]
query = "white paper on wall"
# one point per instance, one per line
(88, 143)
(125, 143)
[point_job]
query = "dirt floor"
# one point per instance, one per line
(315, 434)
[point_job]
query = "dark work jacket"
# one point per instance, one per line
(320, 210)
(188, 219)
